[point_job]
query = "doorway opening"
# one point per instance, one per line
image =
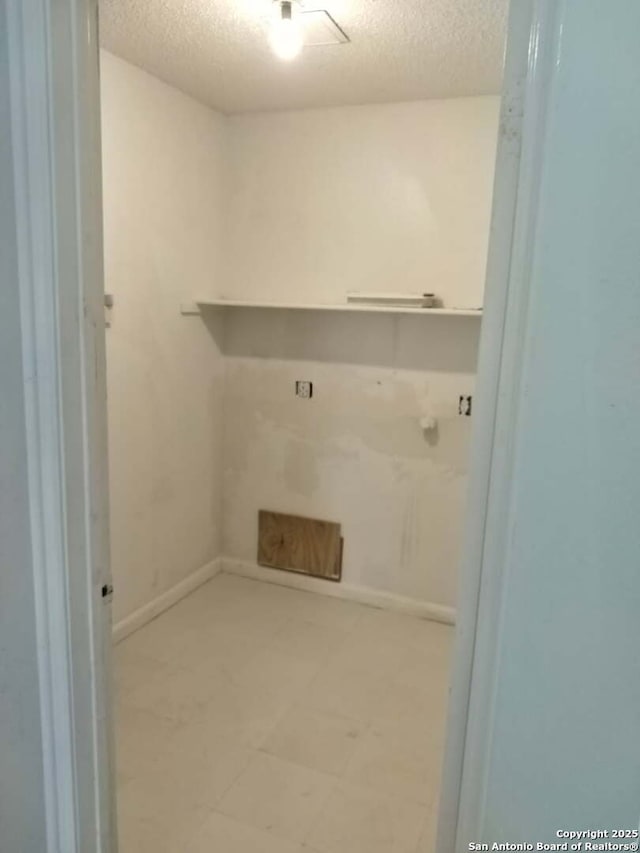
(295, 258)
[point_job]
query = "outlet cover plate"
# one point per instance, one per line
(465, 404)
(304, 389)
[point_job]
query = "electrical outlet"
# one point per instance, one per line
(304, 389)
(464, 405)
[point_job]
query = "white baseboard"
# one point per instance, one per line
(164, 601)
(361, 594)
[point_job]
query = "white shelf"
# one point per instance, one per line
(351, 308)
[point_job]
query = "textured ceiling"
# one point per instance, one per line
(217, 51)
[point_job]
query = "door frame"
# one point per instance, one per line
(54, 126)
(532, 51)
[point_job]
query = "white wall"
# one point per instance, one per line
(395, 197)
(562, 750)
(299, 206)
(388, 198)
(355, 453)
(162, 165)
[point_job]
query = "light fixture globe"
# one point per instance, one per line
(286, 37)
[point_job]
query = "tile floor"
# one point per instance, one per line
(252, 718)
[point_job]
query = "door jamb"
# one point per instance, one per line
(532, 52)
(54, 123)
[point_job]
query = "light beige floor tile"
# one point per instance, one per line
(142, 836)
(434, 655)
(227, 600)
(243, 712)
(398, 762)
(182, 696)
(359, 821)
(310, 607)
(162, 639)
(221, 834)
(252, 619)
(197, 621)
(392, 656)
(309, 641)
(352, 693)
(419, 705)
(277, 796)
(321, 741)
(393, 627)
(218, 653)
(206, 764)
(131, 668)
(141, 738)
(328, 612)
(280, 671)
(415, 678)
(222, 642)
(360, 654)
(239, 590)
(163, 801)
(427, 843)
(216, 677)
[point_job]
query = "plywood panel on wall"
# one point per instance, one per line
(305, 545)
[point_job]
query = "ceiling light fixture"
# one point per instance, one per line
(286, 33)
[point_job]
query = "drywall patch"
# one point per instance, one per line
(355, 453)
